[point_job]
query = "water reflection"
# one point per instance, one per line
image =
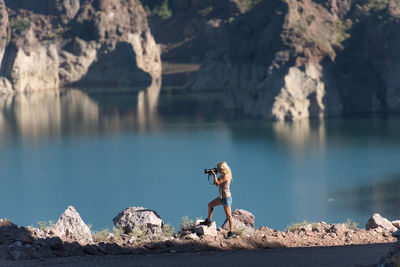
(301, 133)
(44, 114)
(147, 105)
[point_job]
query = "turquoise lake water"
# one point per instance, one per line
(102, 151)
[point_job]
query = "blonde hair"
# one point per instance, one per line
(224, 168)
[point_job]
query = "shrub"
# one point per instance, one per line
(239, 231)
(139, 232)
(186, 223)
(205, 11)
(350, 225)
(163, 10)
(246, 5)
(342, 28)
(296, 226)
(19, 26)
(43, 224)
(100, 236)
(168, 230)
(118, 231)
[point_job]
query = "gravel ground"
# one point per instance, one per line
(352, 255)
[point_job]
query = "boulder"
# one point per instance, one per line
(377, 221)
(396, 223)
(133, 217)
(243, 221)
(204, 230)
(71, 226)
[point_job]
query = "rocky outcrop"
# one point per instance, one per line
(67, 9)
(289, 60)
(193, 28)
(32, 67)
(284, 80)
(133, 217)
(110, 36)
(70, 226)
(4, 30)
(72, 42)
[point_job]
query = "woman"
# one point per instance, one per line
(225, 198)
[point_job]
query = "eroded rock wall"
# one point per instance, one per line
(271, 65)
(72, 42)
(291, 59)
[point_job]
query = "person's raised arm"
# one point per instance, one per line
(222, 180)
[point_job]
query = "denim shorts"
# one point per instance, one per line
(226, 201)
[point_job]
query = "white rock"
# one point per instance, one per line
(396, 223)
(191, 236)
(378, 221)
(243, 221)
(206, 230)
(70, 225)
(133, 217)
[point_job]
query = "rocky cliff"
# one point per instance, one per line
(295, 59)
(60, 43)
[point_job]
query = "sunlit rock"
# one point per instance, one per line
(71, 226)
(243, 221)
(377, 221)
(133, 217)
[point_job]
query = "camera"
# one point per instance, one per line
(209, 171)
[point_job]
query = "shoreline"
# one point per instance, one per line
(71, 237)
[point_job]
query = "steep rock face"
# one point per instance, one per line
(32, 67)
(72, 42)
(271, 65)
(4, 29)
(297, 59)
(110, 36)
(65, 8)
(193, 28)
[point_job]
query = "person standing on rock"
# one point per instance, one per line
(225, 196)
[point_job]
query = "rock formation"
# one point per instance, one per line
(60, 43)
(133, 217)
(291, 59)
(71, 226)
(4, 30)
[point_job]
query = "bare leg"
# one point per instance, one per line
(211, 206)
(228, 214)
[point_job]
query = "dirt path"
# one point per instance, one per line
(356, 255)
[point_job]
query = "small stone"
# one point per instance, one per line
(18, 244)
(191, 236)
